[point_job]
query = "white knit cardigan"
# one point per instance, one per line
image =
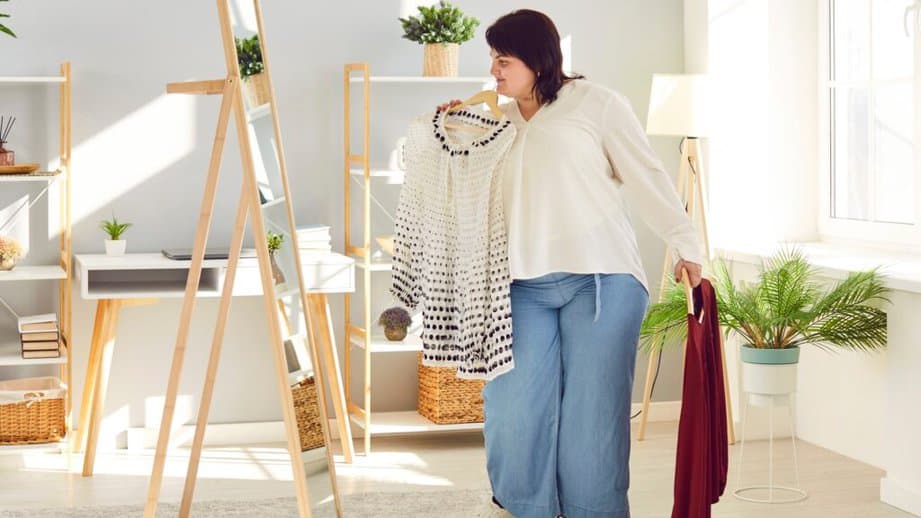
(450, 245)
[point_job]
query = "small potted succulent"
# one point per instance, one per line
(3, 28)
(274, 241)
(115, 245)
(396, 321)
(252, 71)
(440, 28)
(10, 252)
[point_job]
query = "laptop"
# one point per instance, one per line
(185, 254)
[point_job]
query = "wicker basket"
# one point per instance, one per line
(307, 412)
(446, 399)
(256, 90)
(440, 59)
(32, 410)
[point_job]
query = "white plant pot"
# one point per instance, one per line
(116, 247)
(758, 378)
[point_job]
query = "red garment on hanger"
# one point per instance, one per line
(702, 461)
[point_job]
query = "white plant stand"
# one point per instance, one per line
(776, 494)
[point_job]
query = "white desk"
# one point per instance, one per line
(134, 279)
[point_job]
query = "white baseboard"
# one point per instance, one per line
(274, 431)
(899, 494)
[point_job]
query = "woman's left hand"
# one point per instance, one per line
(694, 272)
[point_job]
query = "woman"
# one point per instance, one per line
(557, 426)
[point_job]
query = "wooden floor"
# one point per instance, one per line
(838, 487)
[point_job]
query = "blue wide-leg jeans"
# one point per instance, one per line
(557, 426)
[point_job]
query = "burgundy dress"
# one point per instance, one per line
(702, 461)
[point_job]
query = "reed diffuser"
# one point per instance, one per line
(6, 155)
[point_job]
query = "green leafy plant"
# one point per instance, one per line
(395, 317)
(439, 23)
(249, 56)
(10, 249)
(787, 307)
(3, 28)
(113, 228)
(274, 241)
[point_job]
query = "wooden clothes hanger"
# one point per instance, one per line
(488, 97)
(689, 291)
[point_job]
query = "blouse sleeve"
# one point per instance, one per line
(407, 247)
(646, 184)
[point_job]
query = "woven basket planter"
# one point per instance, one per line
(440, 59)
(32, 410)
(446, 399)
(256, 90)
(307, 413)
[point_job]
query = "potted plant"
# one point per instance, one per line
(10, 252)
(785, 309)
(440, 28)
(274, 241)
(396, 321)
(115, 245)
(3, 28)
(252, 71)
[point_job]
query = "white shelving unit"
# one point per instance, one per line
(361, 335)
(43, 276)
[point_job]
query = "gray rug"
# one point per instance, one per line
(443, 504)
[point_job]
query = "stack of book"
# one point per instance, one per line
(314, 238)
(40, 336)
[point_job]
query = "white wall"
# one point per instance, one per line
(144, 155)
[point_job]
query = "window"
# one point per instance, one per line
(870, 147)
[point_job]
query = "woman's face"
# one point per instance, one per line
(513, 78)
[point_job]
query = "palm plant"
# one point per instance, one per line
(787, 308)
(3, 28)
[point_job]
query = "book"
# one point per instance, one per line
(39, 336)
(41, 346)
(31, 355)
(32, 323)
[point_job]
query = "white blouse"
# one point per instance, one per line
(570, 174)
(449, 243)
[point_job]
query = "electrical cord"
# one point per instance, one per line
(659, 361)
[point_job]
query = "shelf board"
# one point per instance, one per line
(40, 176)
(425, 80)
(33, 273)
(393, 176)
(51, 448)
(380, 344)
(394, 423)
(272, 203)
(314, 455)
(376, 266)
(259, 112)
(11, 352)
(33, 79)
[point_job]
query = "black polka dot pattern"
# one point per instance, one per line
(450, 245)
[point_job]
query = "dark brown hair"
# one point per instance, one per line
(532, 37)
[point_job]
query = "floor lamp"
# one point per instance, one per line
(678, 107)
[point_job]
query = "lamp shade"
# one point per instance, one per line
(678, 105)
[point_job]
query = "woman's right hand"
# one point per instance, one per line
(450, 104)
